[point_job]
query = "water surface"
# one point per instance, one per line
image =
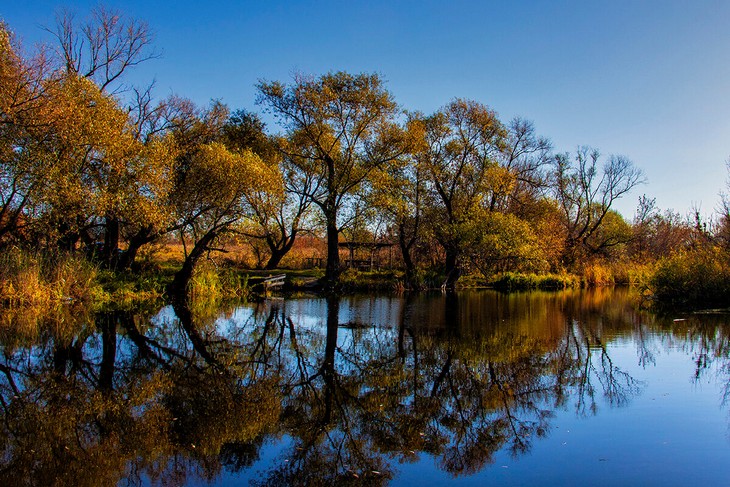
(475, 388)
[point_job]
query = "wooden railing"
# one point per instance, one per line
(273, 282)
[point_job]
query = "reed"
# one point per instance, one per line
(35, 279)
(213, 282)
(514, 281)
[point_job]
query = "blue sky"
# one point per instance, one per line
(646, 79)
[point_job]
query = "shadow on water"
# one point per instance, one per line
(345, 389)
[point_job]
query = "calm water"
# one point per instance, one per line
(478, 388)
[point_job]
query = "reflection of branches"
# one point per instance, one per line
(148, 348)
(352, 399)
(323, 412)
(706, 340)
(618, 386)
(91, 408)
(646, 356)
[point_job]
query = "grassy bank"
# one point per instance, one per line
(32, 279)
(511, 281)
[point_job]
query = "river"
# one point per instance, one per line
(471, 388)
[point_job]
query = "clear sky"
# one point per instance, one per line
(646, 79)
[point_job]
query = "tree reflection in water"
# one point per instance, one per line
(115, 398)
(354, 385)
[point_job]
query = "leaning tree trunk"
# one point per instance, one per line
(279, 251)
(180, 282)
(141, 238)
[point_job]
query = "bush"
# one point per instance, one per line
(598, 274)
(354, 280)
(694, 278)
(512, 281)
(211, 282)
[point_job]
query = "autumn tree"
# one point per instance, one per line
(723, 230)
(339, 129)
(524, 157)
(462, 144)
(211, 184)
(26, 108)
(504, 242)
(76, 163)
(57, 130)
(277, 217)
(586, 194)
(91, 155)
(103, 47)
(399, 195)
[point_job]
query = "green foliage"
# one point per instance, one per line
(695, 278)
(354, 280)
(513, 281)
(126, 288)
(428, 278)
(210, 283)
(499, 241)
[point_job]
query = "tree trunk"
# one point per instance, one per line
(275, 258)
(328, 364)
(332, 271)
(181, 306)
(179, 287)
(108, 327)
(405, 250)
(278, 252)
(452, 269)
(67, 239)
(143, 237)
(111, 241)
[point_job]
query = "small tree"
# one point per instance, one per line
(339, 129)
(278, 217)
(209, 199)
(586, 194)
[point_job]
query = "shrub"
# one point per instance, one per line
(211, 282)
(598, 274)
(512, 281)
(694, 278)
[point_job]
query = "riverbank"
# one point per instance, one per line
(689, 280)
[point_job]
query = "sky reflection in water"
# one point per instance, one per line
(478, 388)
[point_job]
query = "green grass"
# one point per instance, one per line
(211, 282)
(512, 281)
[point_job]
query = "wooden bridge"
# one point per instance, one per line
(271, 282)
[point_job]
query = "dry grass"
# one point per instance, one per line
(31, 279)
